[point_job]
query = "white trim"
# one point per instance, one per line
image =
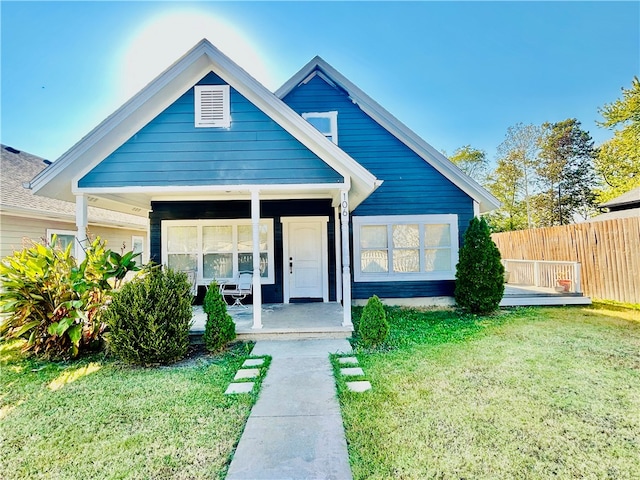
(394, 126)
(166, 89)
(151, 189)
(333, 123)
(235, 222)
(286, 221)
(217, 109)
(421, 221)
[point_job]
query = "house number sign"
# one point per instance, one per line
(345, 205)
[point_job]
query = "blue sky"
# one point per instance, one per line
(456, 73)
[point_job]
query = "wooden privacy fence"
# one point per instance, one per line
(608, 251)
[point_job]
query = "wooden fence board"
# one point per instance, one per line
(608, 251)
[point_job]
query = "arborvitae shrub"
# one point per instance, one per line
(479, 273)
(149, 318)
(219, 329)
(373, 327)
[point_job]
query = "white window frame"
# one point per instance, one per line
(138, 238)
(221, 121)
(54, 231)
(389, 221)
(199, 224)
(333, 122)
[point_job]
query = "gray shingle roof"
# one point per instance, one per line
(21, 167)
(631, 198)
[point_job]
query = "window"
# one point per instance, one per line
(64, 238)
(217, 249)
(137, 246)
(212, 107)
(405, 247)
(325, 122)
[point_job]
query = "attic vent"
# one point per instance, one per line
(92, 199)
(12, 150)
(136, 209)
(212, 106)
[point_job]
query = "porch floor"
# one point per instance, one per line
(283, 321)
(526, 295)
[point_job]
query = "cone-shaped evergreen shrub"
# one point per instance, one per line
(219, 329)
(479, 273)
(373, 328)
(149, 318)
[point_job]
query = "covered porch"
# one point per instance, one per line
(283, 321)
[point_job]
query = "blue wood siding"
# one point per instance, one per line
(411, 186)
(233, 209)
(170, 151)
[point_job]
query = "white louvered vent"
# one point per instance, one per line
(212, 106)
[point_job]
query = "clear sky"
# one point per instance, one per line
(456, 73)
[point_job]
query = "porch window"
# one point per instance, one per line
(217, 249)
(405, 247)
(63, 238)
(325, 122)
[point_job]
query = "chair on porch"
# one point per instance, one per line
(192, 278)
(238, 289)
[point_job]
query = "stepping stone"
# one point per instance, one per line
(348, 360)
(234, 388)
(253, 362)
(359, 386)
(351, 371)
(247, 373)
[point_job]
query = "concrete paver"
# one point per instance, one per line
(295, 428)
(253, 362)
(247, 373)
(348, 360)
(352, 372)
(244, 387)
(361, 386)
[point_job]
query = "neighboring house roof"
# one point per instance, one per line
(631, 199)
(60, 179)
(626, 213)
(19, 167)
(436, 159)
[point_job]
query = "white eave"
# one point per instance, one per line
(60, 179)
(436, 159)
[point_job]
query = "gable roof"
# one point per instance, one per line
(625, 201)
(60, 179)
(317, 66)
(19, 167)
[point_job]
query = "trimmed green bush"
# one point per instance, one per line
(150, 317)
(373, 327)
(479, 273)
(219, 329)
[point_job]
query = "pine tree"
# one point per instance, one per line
(219, 329)
(479, 273)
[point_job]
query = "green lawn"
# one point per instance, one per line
(531, 393)
(95, 419)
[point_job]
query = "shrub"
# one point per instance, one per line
(219, 329)
(479, 273)
(54, 303)
(150, 317)
(373, 327)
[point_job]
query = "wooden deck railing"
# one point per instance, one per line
(548, 274)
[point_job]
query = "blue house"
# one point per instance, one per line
(316, 189)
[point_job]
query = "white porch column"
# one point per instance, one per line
(346, 263)
(257, 286)
(81, 224)
(338, 245)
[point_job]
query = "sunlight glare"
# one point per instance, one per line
(157, 44)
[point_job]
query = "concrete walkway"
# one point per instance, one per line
(295, 428)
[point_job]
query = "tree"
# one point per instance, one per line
(520, 148)
(506, 184)
(618, 160)
(479, 273)
(473, 162)
(565, 173)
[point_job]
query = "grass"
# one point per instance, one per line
(94, 418)
(530, 393)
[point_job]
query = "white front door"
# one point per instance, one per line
(305, 258)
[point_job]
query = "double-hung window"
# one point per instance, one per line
(325, 122)
(405, 247)
(217, 249)
(64, 238)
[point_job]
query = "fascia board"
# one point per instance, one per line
(120, 125)
(165, 89)
(388, 121)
